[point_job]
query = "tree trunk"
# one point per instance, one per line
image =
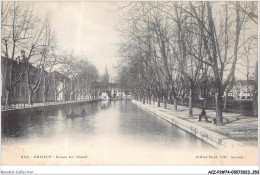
(44, 98)
(71, 89)
(159, 102)
(70, 96)
(175, 104)
(8, 97)
(143, 99)
(44, 92)
(55, 96)
(30, 97)
(255, 104)
(165, 102)
(255, 92)
(190, 104)
(63, 96)
(225, 101)
(205, 103)
(150, 100)
(191, 99)
(171, 100)
(219, 103)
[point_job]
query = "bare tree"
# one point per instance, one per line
(41, 57)
(18, 21)
(219, 63)
(182, 44)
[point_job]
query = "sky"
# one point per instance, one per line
(86, 28)
(89, 30)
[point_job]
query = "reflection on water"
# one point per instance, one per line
(111, 133)
(122, 121)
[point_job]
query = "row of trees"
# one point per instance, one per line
(31, 41)
(171, 50)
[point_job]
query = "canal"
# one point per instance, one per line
(111, 133)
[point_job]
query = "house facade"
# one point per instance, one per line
(242, 89)
(49, 90)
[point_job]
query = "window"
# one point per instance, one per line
(23, 77)
(18, 91)
(13, 92)
(37, 93)
(23, 91)
(48, 93)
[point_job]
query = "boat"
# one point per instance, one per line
(103, 107)
(83, 112)
(112, 99)
(73, 115)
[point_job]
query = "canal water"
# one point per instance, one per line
(111, 133)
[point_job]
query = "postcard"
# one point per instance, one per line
(129, 83)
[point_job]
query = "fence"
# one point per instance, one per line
(24, 106)
(237, 106)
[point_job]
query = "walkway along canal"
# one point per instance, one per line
(210, 137)
(47, 104)
(111, 133)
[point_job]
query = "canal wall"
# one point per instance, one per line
(39, 108)
(212, 138)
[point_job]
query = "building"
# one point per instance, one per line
(50, 89)
(58, 87)
(242, 89)
(108, 87)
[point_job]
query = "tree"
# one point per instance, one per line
(220, 61)
(255, 92)
(18, 22)
(41, 57)
(182, 45)
(77, 76)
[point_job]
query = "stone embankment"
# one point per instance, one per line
(207, 132)
(38, 107)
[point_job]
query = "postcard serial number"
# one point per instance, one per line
(54, 157)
